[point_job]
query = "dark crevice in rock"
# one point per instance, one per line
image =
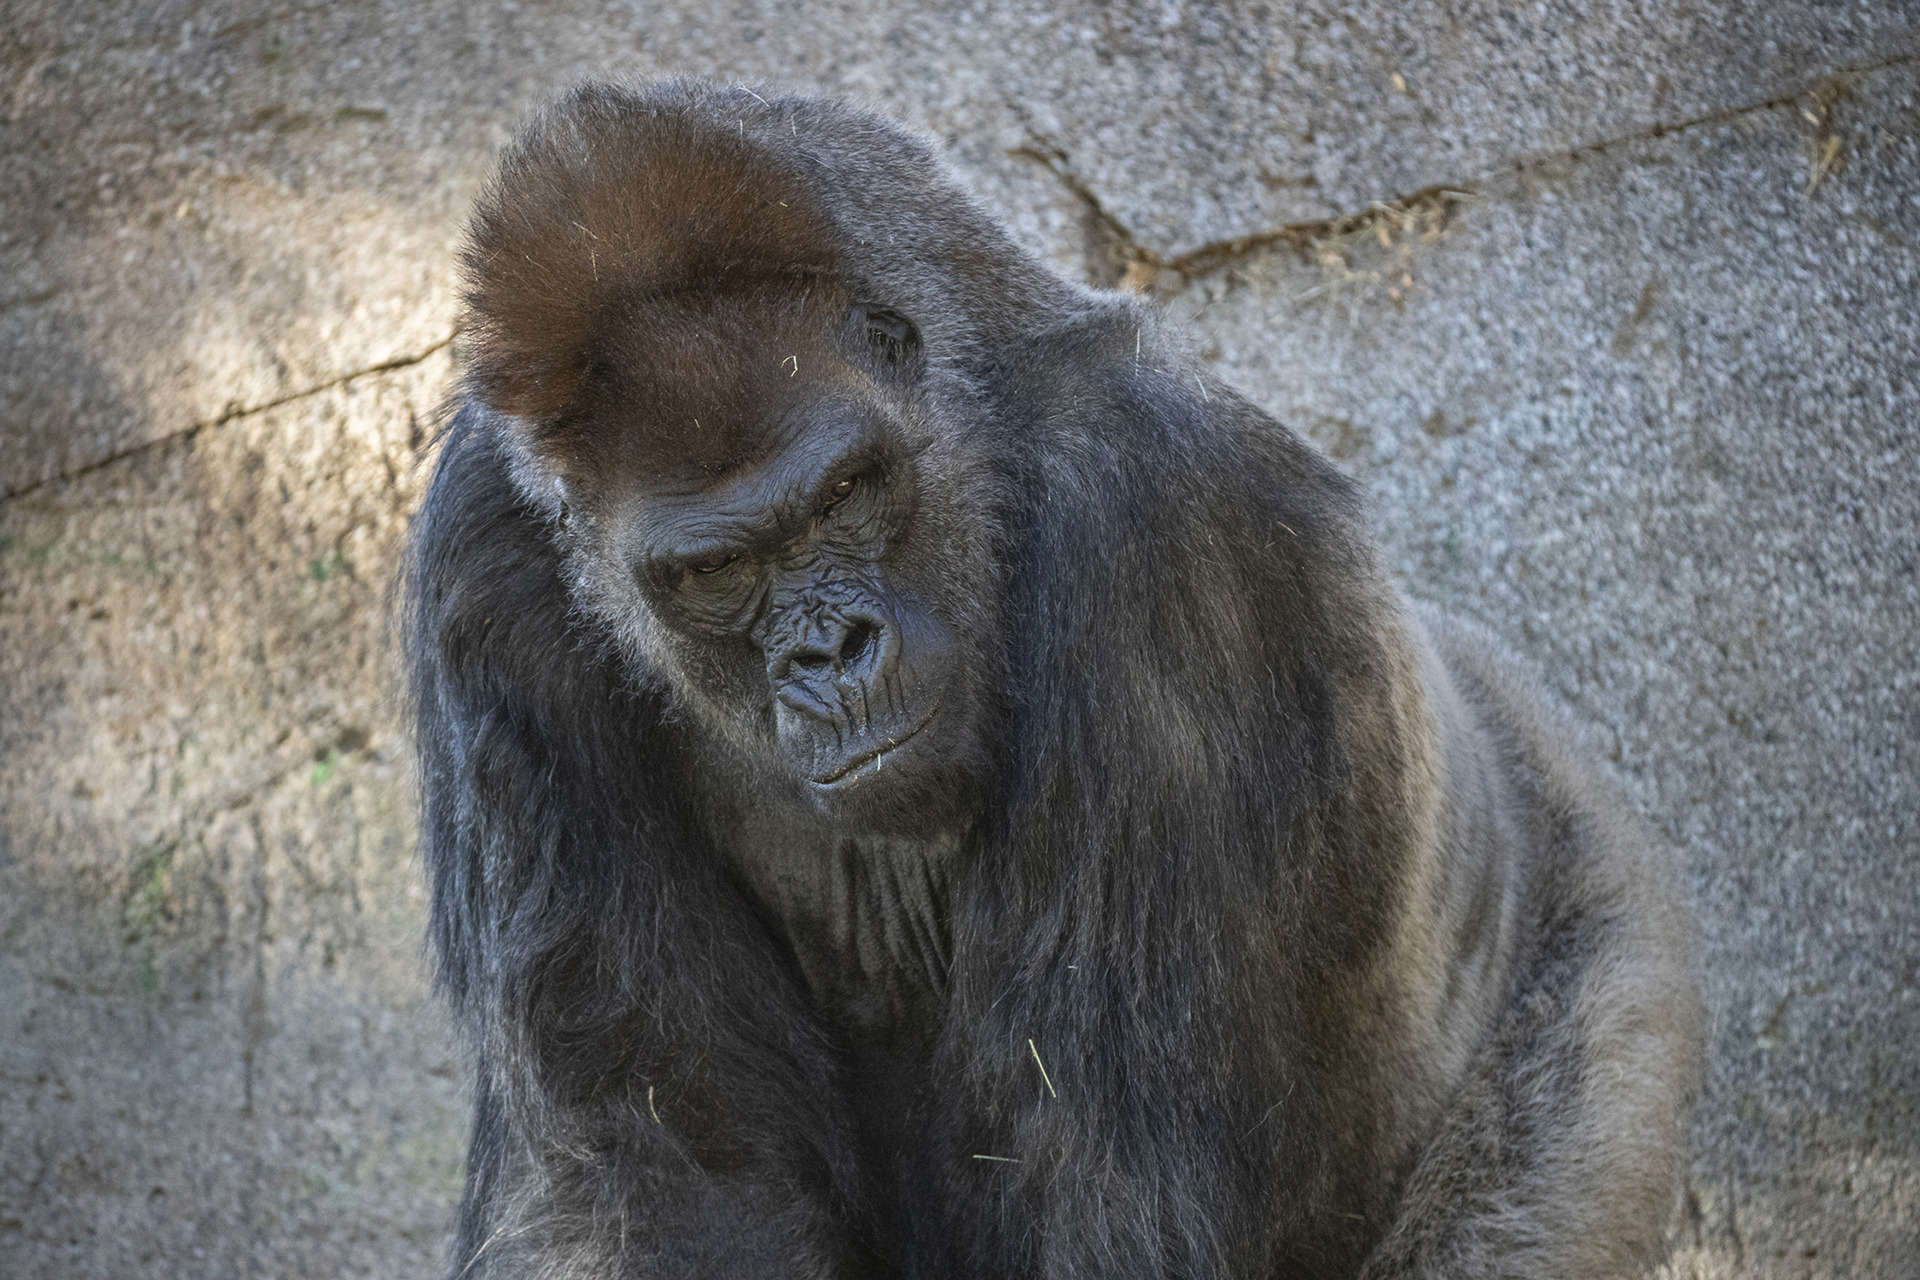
(1113, 255)
(1122, 261)
(30, 299)
(233, 414)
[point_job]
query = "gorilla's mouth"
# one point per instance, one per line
(852, 767)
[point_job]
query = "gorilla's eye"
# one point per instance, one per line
(713, 563)
(840, 493)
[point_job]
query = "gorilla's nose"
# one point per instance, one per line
(854, 638)
(825, 660)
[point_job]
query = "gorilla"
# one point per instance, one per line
(919, 781)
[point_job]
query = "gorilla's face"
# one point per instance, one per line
(785, 580)
(793, 550)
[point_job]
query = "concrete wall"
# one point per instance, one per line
(1611, 306)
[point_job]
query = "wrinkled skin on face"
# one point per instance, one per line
(780, 554)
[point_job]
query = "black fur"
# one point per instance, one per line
(1238, 929)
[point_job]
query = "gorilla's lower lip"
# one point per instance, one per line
(859, 762)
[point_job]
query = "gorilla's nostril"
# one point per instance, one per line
(858, 638)
(815, 658)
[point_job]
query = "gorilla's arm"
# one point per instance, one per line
(1556, 1156)
(1203, 843)
(651, 1096)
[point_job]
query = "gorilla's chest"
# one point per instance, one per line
(868, 922)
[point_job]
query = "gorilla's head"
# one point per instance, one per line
(752, 409)
(764, 503)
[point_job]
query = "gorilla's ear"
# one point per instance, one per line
(891, 335)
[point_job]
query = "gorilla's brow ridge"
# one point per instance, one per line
(760, 508)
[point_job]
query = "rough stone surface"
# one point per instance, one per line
(216, 1053)
(1640, 395)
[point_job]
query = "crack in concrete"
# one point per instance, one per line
(1143, 264)
(232, 414)
(30, 299)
